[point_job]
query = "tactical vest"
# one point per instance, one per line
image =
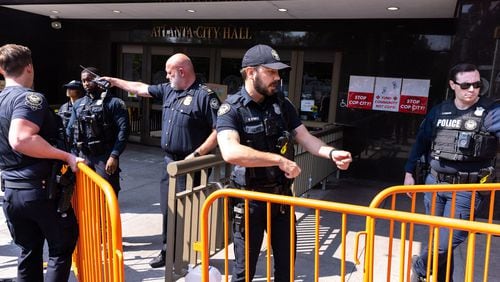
(460, 137)
(92, 126)
(265, 131)
(65, 113)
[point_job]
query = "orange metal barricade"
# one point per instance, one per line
(374, 217)
(393, 196)
(99, 253)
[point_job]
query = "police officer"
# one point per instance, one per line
(460, 138)
(256, 130)
(188, 122)
(100, 128)
(26, 125)
(74, 91)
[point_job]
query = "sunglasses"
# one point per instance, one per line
(467, 85)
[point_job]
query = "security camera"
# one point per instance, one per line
(56, 24)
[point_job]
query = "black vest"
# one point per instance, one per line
(92, 127)
(460, 137)
(263, 129)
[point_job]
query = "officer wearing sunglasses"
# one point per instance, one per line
(460, 138)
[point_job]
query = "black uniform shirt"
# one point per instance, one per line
(230, 119)
(188, 116)
(22, 103)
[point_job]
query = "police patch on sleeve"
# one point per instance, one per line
(34, 100)
(214, 103)
(224, 108)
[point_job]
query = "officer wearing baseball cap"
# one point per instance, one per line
(74, 91)
(263, 55)
(256, 130)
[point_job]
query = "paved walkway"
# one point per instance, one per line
(141, 217)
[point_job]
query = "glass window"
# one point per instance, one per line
(202, 68)
(316, 89)
(230, 74)
(132, 70)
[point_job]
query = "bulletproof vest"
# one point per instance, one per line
(460, 137)
(92, 127)
(264, 130)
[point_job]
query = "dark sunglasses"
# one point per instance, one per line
(467, 85)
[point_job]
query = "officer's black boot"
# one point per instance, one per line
(158, 261)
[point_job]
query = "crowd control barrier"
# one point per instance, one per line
(392, 197)
(376, 229)
(99, 253)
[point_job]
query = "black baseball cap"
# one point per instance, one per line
(263, 55)
(74, 84)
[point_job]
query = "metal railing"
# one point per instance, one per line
(99, 253)
(373, 217)
(183, 210)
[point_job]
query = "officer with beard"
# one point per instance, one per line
(256, 131)
(100, 128)
(460, 138)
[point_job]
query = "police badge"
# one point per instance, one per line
(470, 124)
(479, 111)
(187, 100)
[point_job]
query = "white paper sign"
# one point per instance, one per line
(387, 94)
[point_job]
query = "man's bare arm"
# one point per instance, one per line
(134, 87)
(24, 138)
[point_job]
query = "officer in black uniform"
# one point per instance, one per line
(256, 131)
(460, 138)
(26, 126)
(188, 123)
(74, 91)
(100, 128)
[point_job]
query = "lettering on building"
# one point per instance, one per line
(202, 32)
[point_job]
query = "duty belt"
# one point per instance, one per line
(483, 175)
(24, 184)
(175, 157)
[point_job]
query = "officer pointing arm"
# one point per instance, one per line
(181, 77)
(188, 122)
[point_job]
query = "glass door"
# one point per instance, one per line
(131, 69)
(230, 67)
(317, 75)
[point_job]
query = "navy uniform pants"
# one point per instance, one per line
(443, 208)
(98, 164)
(32, 218)
(280, 240)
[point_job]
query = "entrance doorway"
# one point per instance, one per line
(313, 74)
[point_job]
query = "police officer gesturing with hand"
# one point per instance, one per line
(256, 129)
(99, 127)
(188, 122)
(26, 123)
(460, 138)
